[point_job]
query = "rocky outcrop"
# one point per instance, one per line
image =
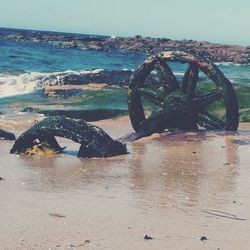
(7, 135)
(216, 52)
(86, 115)
(117, 77)
(89, 80)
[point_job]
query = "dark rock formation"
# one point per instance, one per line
(117, 77)
(216, 52)
(86, 115)
(106, 76)
(7, 135)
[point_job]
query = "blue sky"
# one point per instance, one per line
(223, 21)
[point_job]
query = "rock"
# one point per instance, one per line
(68, 45)
(30, 110)
(86, 115)
(7, 135)
(117, 77)
(88, 78)
(203, 238)
(216, 52)
(147, 237)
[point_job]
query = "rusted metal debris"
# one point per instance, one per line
(181, 106)
(93, 140)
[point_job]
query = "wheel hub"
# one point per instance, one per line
(179, 112)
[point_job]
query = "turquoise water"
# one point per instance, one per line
(23, 57)
(24, 65)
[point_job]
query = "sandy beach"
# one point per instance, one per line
(130, 68)
(173, 187)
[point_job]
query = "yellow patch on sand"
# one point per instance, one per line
(40, 150)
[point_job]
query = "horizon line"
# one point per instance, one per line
(124, 36)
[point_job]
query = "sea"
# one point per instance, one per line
(25, 65)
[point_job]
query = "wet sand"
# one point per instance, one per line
(174, 187)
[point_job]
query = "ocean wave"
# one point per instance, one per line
(229, 64)
(11, 85)
(176, 73)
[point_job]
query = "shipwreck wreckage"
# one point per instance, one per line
(180, 107)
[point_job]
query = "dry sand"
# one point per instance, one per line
(174, 187)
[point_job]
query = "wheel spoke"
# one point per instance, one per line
(167, 77)
(183, 103)
(52, 143)
(190, 79)
(152, 95)
(156, 123)
(210, 122)
(202, 101)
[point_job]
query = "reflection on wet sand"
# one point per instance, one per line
(186, 169)
(182, 169)
(68, 173)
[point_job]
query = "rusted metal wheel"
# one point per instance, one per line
(183, 107)
(94, 141)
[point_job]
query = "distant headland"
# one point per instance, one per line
(216, 52)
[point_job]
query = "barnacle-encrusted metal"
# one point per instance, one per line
(182, 106)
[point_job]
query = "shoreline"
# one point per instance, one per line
(166, 187)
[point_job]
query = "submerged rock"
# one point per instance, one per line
(110, 77)
(7, 135)
(86, 115)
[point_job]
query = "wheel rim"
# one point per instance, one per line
(189, 83)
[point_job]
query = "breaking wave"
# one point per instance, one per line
(11, 85)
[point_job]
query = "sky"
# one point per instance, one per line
(222, 21)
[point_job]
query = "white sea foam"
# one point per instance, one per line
(228, 64)
(176, 73)
(14, 85)
(11, 85)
